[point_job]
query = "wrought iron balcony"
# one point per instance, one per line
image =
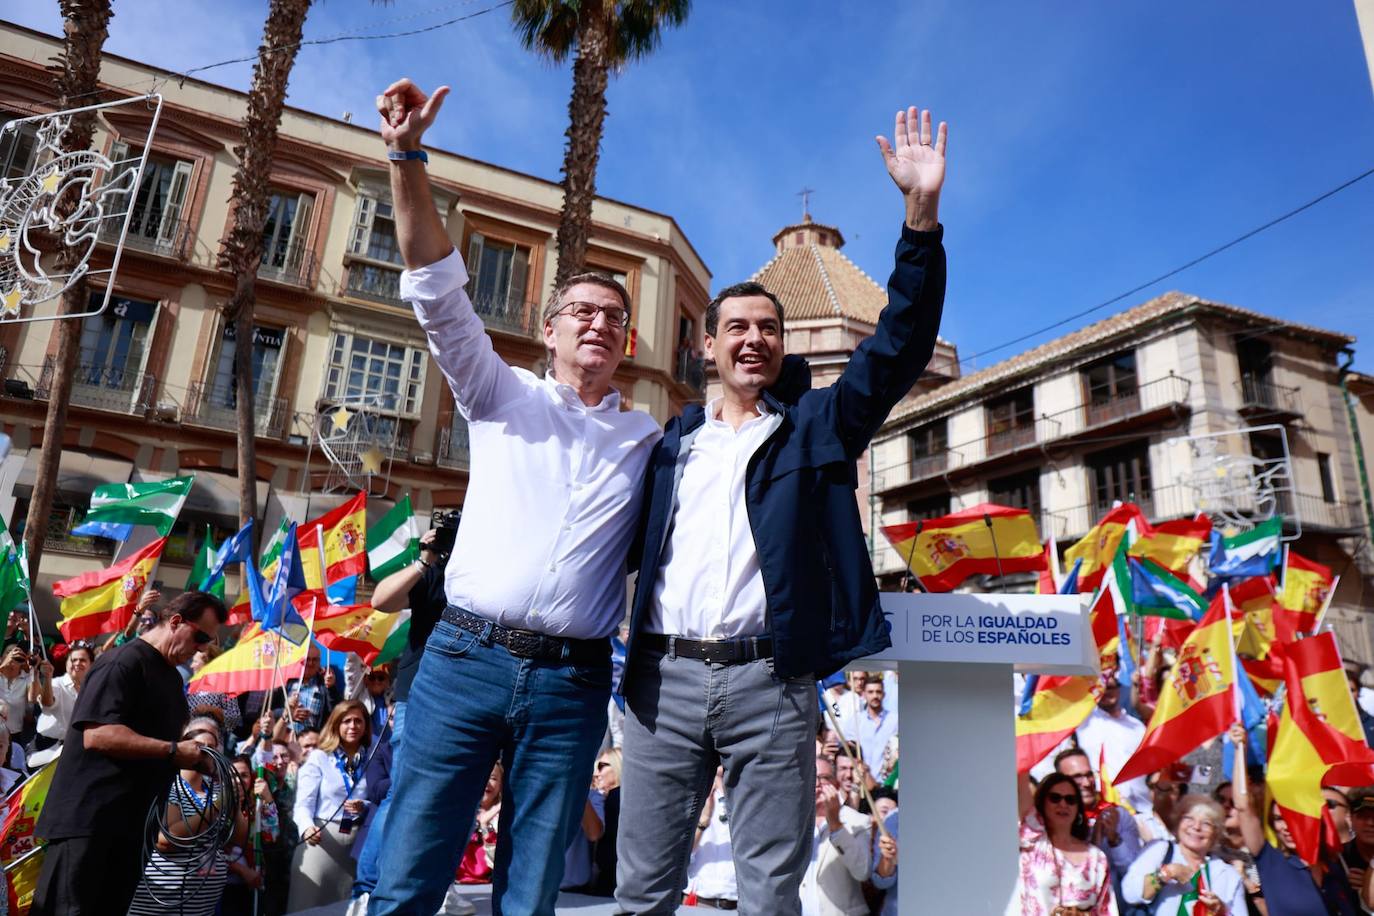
(1261, 397)
(215, 406)
(373, 282)
(929, 465)
(1332, 515)
(104, 388)
(292, 264)
(169, 239)
(511, 314)
(455, 450)
(690, 370)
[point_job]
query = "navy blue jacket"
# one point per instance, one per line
(823, 608)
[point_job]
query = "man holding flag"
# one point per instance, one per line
(119, 756)
(519, 666)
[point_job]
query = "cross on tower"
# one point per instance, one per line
(805, 195)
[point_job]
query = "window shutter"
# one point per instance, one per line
(475, 242)
(519, 269)
(362, 224)
(300, 231)
(176, 202)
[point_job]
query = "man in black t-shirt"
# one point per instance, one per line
(120, 754)
(420, 587)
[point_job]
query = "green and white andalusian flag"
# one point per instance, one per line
(393, 542)
(205, 559)
(395, 640)
(271, 551)
(14, 575)
(117, 507)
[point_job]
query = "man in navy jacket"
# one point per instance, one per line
(754, 572)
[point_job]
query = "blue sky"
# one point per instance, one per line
(1089, 150)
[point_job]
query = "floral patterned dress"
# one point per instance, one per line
(1049, 879)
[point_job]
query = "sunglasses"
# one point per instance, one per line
(1054, 798)
(201, 637)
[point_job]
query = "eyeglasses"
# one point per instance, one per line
(1169, 789)
(201, 637)
(1054, 798)
(1333, 804)
(601, 765)
(585, 312)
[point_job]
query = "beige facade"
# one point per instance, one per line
(154, 392)
(1117, 410)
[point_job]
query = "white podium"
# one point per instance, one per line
(955, 655)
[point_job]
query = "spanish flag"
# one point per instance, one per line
(17, 838)
(1056, 707)
(1098, 547)
(1319, 740)
(1106, 788)
(253, 664)
(1173, 544)
(1306, 586)
(104, 601)
(1196, 703)
(357, 628)
(345, 542)
(945, 551)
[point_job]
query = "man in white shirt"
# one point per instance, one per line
(876, 725)
(518, 667)
(711, 875)
(754, 572)
(840, 853)
(1111, 728)
(14, 686)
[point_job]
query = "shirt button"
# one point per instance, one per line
(553, 567)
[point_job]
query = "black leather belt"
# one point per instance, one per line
(716, 903)
(718, 651)
(528, 643)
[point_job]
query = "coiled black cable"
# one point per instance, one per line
(188, 862)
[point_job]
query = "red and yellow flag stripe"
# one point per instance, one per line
(104, 601)
(345, 542)
(985, 539)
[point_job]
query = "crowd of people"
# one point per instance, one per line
(1189, 833)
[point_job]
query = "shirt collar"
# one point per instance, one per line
(713, 407)
(566, 395)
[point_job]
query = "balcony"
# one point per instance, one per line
(1260, 397)
(171, 239)
(455, 450)
(213, 406)
(511, 314)
(929, 465)
(690, 370)
(373, 283)
(1315, 512)
(104, 388)
(293, 265)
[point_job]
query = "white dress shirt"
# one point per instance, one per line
(711, 873)
(53, 720)
(709, 584)
(320, 791)
(872, 735)
(554, 489)
(15, 693)
(1120, 736)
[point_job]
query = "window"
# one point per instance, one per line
(1256, 359)
(285, 234)
(929, 448)
(1328, 482)
(159, 200)
(928, 508)
(267, 346)
(688, 366)
(1020, 491)
(188, 534)
(1113, 387)
(374, 231)
(64, 515)
(361, 367)
(1010, 420)
(113, 343)
(1121, 474)
(1269, 449)
(498, 271)
(18, 148)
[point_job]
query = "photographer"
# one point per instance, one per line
(14, 684)
(420, 587)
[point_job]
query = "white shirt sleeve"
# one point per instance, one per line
(1149, 860)
(308, 779)
(481, 382)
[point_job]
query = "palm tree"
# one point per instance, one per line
(241, 249)
(85, 26)
(604, 34)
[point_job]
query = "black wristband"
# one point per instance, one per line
(171, 750)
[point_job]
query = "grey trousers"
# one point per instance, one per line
(683, 717)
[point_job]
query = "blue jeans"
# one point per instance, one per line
(369, 860)
(471, 704)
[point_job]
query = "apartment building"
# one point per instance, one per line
(154, 394)
(1135, 407)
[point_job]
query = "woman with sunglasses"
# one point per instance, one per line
(331, 809)
(1062, 874)
(184, 881)
(1165, 871)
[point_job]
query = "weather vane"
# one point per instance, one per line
(70, 200)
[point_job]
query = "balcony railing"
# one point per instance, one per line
(1009, 440)
(169, 241)
(455, 449)
(212, 405)
(1263, 396)
(929, 465)
(373, 283)
(508, 313)
(293, 264)
(690, 370)
(104, 388)
(1336, 515)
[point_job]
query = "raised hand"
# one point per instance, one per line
(916, 164)
(407, 112)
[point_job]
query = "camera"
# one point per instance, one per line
(445, 525)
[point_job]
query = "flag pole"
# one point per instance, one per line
(987, 520)
(849, 752)
(911, 558)
(1326, 605)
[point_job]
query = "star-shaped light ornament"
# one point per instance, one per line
(5, 241)
(51, 181)
(340, 419)
(9, 302)
(371, 460)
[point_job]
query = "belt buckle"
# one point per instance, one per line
(522, 644)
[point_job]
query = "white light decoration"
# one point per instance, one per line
(32, 229)
(1236, 487)
(359, 437)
